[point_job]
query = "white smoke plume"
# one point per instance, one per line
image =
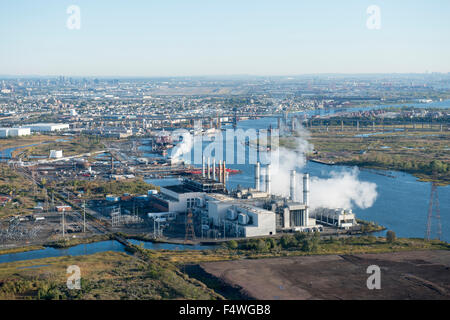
(182, 150)
(341, 190)
(290, 159)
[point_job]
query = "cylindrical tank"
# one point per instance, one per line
(231, 214)
(243, 218)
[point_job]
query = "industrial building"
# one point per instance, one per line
(247, 212)
(56, 154)
(338, 218)
(110, 132)
(239, 219)
(249, 221)
(47, 127)
(177, 198)
(14, 132)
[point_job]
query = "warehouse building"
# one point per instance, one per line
(47, 127)
(14, 132)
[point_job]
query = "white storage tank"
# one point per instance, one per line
(243, 218)
(231, 214)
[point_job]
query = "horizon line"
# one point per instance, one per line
(221, 75)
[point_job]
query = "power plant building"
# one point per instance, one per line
(250, 221)
(338, 218)
(248, 212)
(177, 198)
(238, 217)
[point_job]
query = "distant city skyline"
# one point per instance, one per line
(233, 38)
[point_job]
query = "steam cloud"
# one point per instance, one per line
(184, 147)
(341, 190)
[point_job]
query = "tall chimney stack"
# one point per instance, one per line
(209, 168)
(292, 185)
(214, 169)
(220, 170)
(306, 197)
(257, 175)
(268, 184)
(306, 189)
(203, 166)
(224, 172)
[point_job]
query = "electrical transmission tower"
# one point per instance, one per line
(434, 203)
(190, 233)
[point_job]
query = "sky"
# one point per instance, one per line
(233, 37)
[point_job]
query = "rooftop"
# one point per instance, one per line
(180, 189)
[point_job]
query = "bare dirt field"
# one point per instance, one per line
(404, 275)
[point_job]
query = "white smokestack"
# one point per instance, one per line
(306, 189)
(214, 169)
(209, 168)
(292, 185)
(306, 197)
(220, 170)
(203, 167)
(224, 172)
(257, 175)
(268, 184)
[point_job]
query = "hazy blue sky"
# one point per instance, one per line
(209, 37)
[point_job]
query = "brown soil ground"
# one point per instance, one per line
(404, 275)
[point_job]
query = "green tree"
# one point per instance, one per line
(390, 236)
(284, 241)
(261, 245)
(307, 245)
(271, 244)
(232, 244)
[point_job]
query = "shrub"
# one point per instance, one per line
(232, 244)
(390, 236)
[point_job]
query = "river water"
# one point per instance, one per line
(91, 248)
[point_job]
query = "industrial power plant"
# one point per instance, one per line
(243, 212)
